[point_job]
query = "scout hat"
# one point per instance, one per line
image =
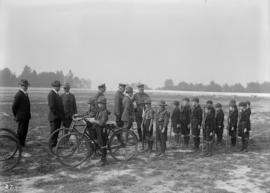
(218, 105)
(208, 105)
(140, 85)
(129, 89)
(176, 103)
(66, 85)
(122, 85)
(91, 101)
(242, 104)
(196, 99)
(24, 82)
(102, 100)
(162, 103)
(56, 83)
(102, 86)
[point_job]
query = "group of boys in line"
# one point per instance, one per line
(136, 109)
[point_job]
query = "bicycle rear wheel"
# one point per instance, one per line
(123, 145)
(61, 132)
(73, 149)
(10, 152)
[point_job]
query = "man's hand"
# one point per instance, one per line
(232, 128)
(211, 133)
(178, 125)
(163, 130)
(245, 130)
(199, 127)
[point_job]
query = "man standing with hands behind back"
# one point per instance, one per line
(56, 111)
(22, 111)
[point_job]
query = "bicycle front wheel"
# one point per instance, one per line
(10, 152)
(123, 145)
(73, 149)
(61, 132)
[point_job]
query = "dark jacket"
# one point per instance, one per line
(102, 117)
(210, 121)
(55, 104)
(69, 104)
(233, 118)
(175, 117)
(249, 114)
(185, 115)
(118, 105)
(97, 96)
(139, 99)
(128, 110)
(220, 119)
(21, 106)
(196, 115)
(243, 120)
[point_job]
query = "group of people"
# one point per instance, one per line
(136, 109)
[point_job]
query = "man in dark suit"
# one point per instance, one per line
(69, 104)
(56, 112)
(128, 109)
(22, 111)
(118, 105)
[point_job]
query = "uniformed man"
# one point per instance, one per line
(139, 99)
(21, 109)
(56, 111)
(249, 113)
(69, 104)
(175, 122)
(148, 121)
(162, 121)
(99, 126)
(243, 125)
(118, 104)
(208, 130)
(232, 122)
(185, 120)
(219, 123)
(100, 93)
(196, 122)
(92, 110)
(128, 108)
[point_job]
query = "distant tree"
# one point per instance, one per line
(253, 87)
(7, 78)
(213, 87)
(168, 84)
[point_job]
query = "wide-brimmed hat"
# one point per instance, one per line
(162, 103)
(56, 83)
(102, 100)
(24, 82)
(66, 85)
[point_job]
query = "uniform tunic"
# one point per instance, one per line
(118, 107)
(209, 125)
(147, 118)
(232, 122)
(175, 120)
(185, 120)
(219, 123)
(196, 120)
(243, 124)
(162, 121)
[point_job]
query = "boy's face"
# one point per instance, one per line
(25, 87)
(241, 108)
(162, 108)
(184, 103)
(57, 88)
(231, 108)
(141, 89)
(67, 89)
(102, 90)
(121, 89)
(194, 103)
(101, 105)
(218, 108)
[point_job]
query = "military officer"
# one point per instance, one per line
(196, 121)
(69, 104)
(118, 105)
(21, 109)
(56, 111)
(100, 93)
(139, 99)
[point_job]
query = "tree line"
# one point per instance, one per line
(251, 87)
(43, 79)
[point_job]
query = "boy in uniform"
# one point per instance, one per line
(243, 125)
(208, 129)
(196, 121)
(185, 120)
(162, 121)
(175, 121)
(128, 108)
(219, 123)
(232, 122)
(148, 120)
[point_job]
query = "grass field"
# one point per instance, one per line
(181, 171)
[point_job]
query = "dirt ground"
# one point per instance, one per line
(182, 170)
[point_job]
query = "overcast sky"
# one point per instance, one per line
(113, 41)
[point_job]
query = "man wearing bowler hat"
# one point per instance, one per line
(56, 112)
(69, 104)
(118, 105)
(139, 99)
(22, 111)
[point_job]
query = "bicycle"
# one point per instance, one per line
(10, 150)
(76, 147)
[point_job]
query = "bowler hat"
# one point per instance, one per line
(24, 82)
(162, 103)
(56, 83)
(195, 99)
(129, 89)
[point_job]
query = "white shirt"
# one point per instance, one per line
(55, 91)
(25, 92)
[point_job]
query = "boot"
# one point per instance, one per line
(206, 150)
(233, 141)
(210, 150)
(150, 146)
(246, 145)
